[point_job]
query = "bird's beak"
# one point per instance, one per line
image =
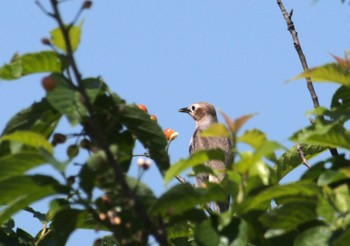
(184, 110)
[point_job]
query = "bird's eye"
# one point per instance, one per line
(193, 107)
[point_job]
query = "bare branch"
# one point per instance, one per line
(297, 46)
(302, 156)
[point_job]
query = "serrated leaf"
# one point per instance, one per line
(20, 191)
(40, 62)
(29, 138)
(19, 163)
(149, 133)
(291, 159)
(57, 38)
(328, 135)
(297, 189)
(331, 72)
(183, 197)
(215, 130)
(197, 158)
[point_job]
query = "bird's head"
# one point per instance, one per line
(203, 113)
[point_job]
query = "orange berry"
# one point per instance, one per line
(143, 107)
(153, 117)
(170, 134)
(48, 83)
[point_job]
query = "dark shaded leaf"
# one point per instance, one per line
(19, 192)
(183, 197)
(149, 133)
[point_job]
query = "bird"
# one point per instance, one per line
(204, 115)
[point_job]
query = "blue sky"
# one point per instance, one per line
(168, 54)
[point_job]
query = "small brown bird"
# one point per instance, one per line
(204, 115)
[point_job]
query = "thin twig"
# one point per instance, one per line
(157, 231)
(181, 179)
(297, 46)
(302, 156)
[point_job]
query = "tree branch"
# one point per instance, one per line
(157, 231)
(297, 46)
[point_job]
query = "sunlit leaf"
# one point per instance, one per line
(199, 157)
(254, 138)
(45, 61)
(215, 130)
(74, 35)
(327, 135)
(296, 189)
(331, 72)
(20, 191)
(29, 138)
(291, 159)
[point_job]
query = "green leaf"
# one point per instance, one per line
(67, 100)
(36, 214)
(331, 72)
(289, 216)
(341, 98)
(291, 159)
(45, 61)
(343, 239)
(197, 158)
(298, 189)
(58, 165)
(206, 234)
(254, 138)
(183, 197)
(21, 191)
(149, 133)
(333, 176)
(216, 130)
(342, 198)
(29, 138)
(74, 35)
(40, 117)
(19, 163)
(318, 235)
(63, 224)
(324, 134)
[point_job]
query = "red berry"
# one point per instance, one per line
(48, 83)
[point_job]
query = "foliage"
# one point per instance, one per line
(313, 210)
